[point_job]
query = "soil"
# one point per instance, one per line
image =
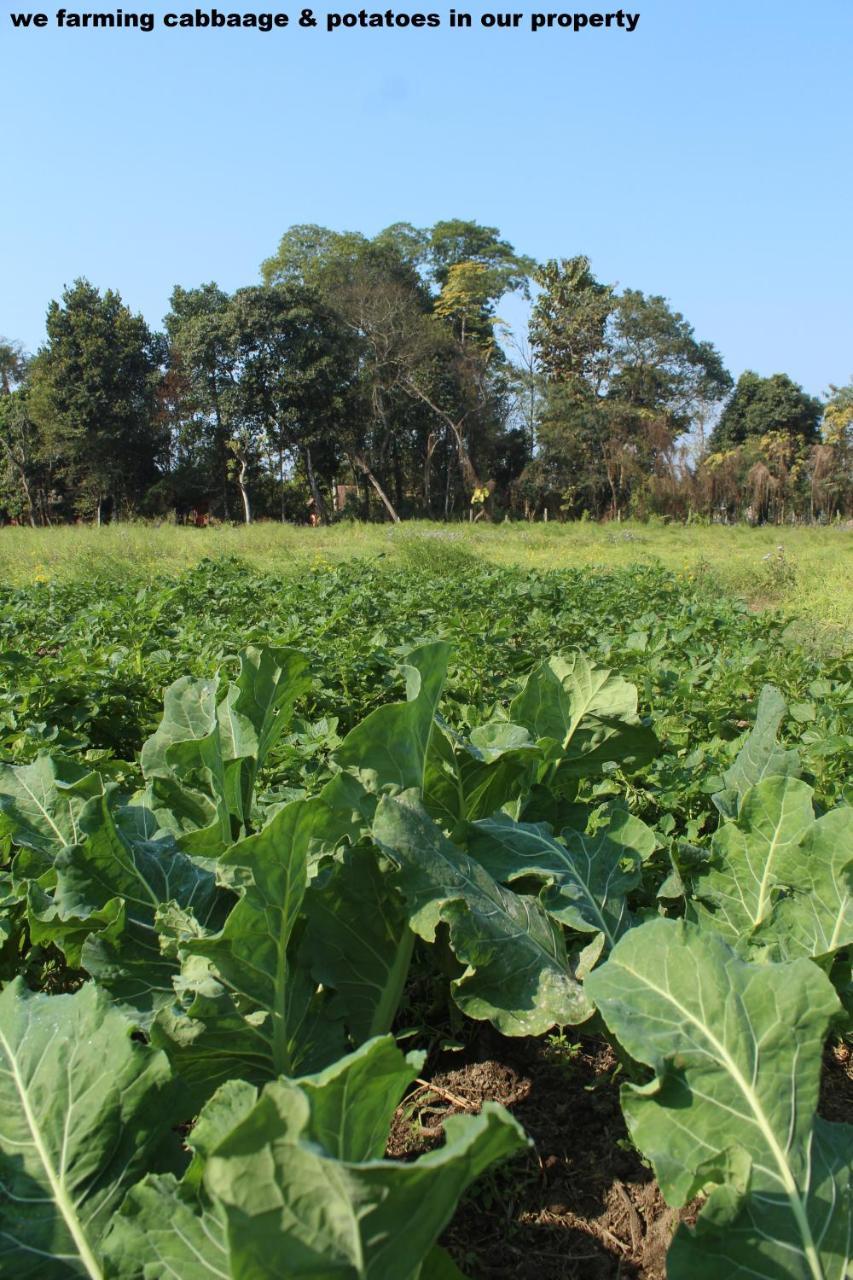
(836, 1084)
(582, 1205)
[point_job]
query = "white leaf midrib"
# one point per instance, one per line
(55, 1178)
(753, 1101)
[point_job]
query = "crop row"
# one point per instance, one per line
(237, 956)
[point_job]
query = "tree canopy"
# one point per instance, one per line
(760, 405)
(372, 376)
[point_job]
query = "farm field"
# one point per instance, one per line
(807, 571)
(491, 884)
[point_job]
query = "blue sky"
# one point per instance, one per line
(707, 156)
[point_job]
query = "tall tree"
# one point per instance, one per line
(93, 395)
(297, 369)
(13, 365)
(838, 415)
(453, 242)
(204, 372)
(568, 326)
(22, 473)
(15, 434)
(626, 376)
(376, 289)
(762, 405)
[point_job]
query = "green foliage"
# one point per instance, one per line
(512, 816)
(92, 396)
(518, 972)
(777, 876)
(86, 1111)
(625, 376)
(735, 1049)
(760, 405)
(372, 378)
(588, 874)
(297, 1172)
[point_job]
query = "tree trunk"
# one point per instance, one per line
(241, 476)
(21, 470)
(447, 488)
(432, 441)
(398, 474)
(223, 448)
(466, 466)
(362, 462)
(319, 504)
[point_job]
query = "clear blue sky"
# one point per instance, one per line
(707, 156)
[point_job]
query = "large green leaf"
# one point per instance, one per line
(339, 1219)
(41, 804)
(587, 714)
(248, 1006)
(815, 915)
(342, 1212)
(201, 765)
(168, 1228)
(587, 875)
(736, 1052)
(352, 1102)
(293, 1184)
(778, 876)
(760, 756)
(85, 1111)
(496, 765)
(389, 747)
(518, 974)
(253, 715)
(358, 941)
(186, 749)
(189, 719)
(192, 818)
(746, 1236)
(471, 778)
(109, 888)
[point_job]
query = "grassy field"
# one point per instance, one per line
(806, 572)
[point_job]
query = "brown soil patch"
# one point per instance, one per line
(836, 1084)
(582, 1205)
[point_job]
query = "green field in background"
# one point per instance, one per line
(807, 572)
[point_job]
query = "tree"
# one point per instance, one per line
(568, 326)
(831, 461)
(837, 428)
(13, 365)
(421, 307)
(16, 433)
(376, 290)
(657, 364)
(93, 394)
(763, 405)
(451, 243)
(203, 374)
(297, 367)
(19, 452)
(307, 254)
(625, 377)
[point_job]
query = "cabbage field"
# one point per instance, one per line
(410, 922)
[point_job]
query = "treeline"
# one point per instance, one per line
(373, 378)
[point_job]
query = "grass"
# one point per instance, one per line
(806, 572)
